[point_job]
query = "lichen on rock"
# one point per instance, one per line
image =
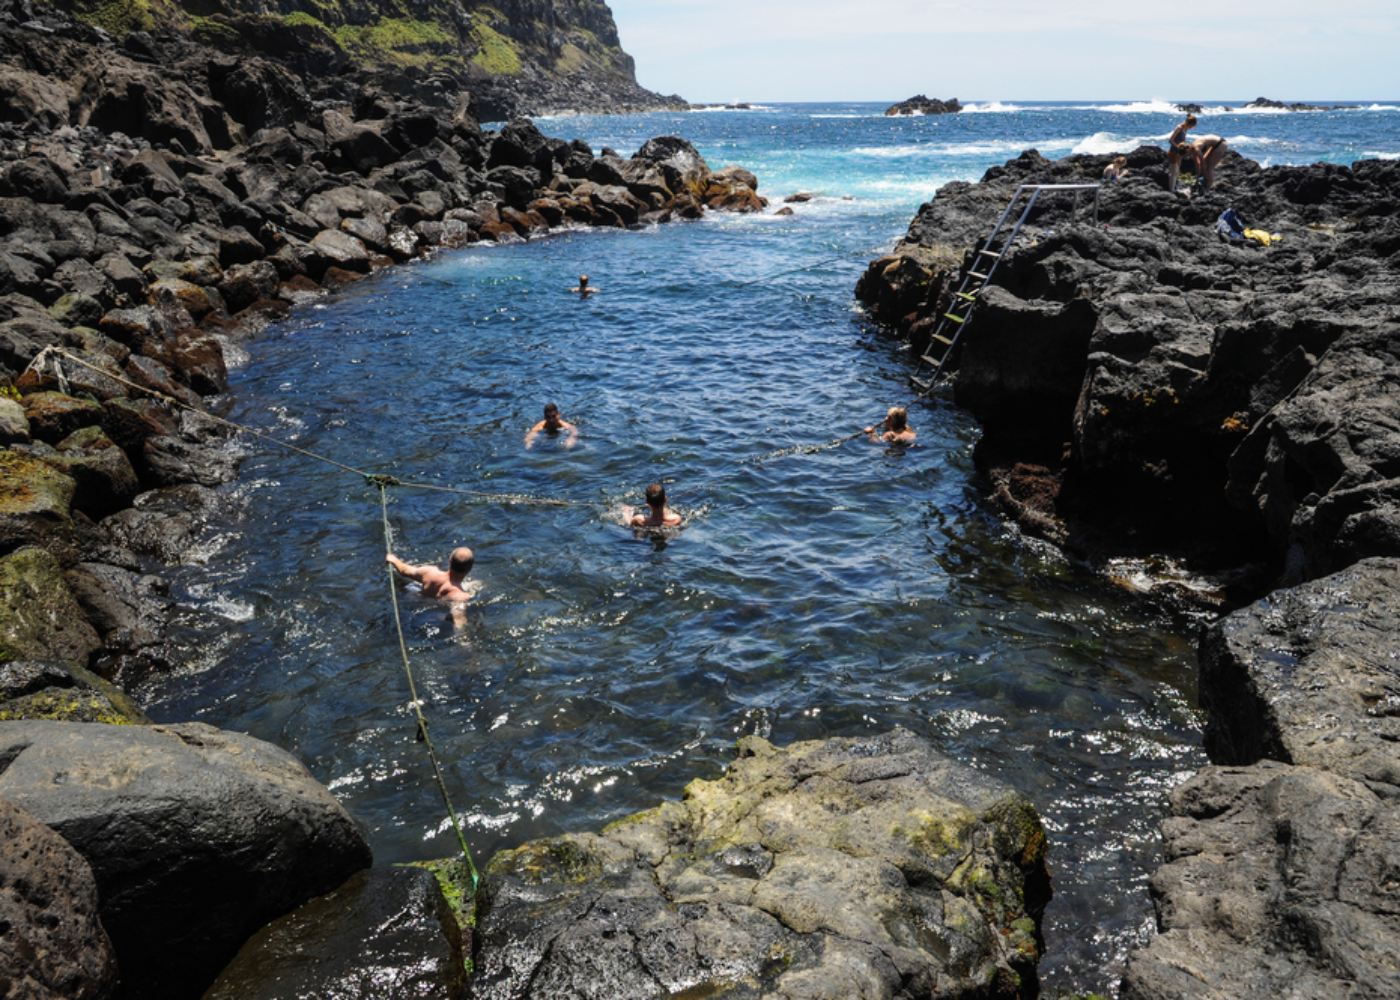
(837, 868)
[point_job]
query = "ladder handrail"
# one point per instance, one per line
(997, 256)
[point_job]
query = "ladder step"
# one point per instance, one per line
(955, 319)
(942, 340)
(923, 386)
(929, 359)
(970, 296)
(979, 277)
(990, 253)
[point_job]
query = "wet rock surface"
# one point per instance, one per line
(53, 946)
(196, 837)
(834, 869)
(385, 934)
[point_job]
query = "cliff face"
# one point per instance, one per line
(513, 56)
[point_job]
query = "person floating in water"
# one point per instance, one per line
(552, 424)
(657, 515)
(1178, 149)
(450, 586)
(584, 289)
(894, 430)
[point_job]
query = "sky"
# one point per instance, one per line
(876, 50)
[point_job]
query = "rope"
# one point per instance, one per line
(413, 689)
(802, 449)
(805, 267)
(51, 354)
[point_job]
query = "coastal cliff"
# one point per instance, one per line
(1147, 388)
(513, 56)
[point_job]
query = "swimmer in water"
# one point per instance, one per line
(895, 429)
(657, 515)
(552, 424)
(584, 290)
(450, 586)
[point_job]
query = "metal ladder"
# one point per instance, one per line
(965, 297)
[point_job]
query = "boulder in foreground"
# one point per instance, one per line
(52, 946)
(834, 869)
(197, 837)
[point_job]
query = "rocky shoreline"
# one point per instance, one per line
(1145, 390)
(158, 198)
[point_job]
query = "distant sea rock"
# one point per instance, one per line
(921, 105)
(1264, 102)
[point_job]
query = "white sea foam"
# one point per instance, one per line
(845, 116)
(1156, 106)
(1380, 107)
(991, 107)
(989, 148)
(1108, 142)
(1377, 154)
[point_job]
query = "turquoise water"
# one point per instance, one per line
(834, 593)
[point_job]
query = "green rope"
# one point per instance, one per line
(413, 690)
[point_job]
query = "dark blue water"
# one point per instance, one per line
(836, 593)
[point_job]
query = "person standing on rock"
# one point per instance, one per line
(583, 290)
(450, 585)
(658, 514)
(894, 430)
(552, 424)
(1177, 148)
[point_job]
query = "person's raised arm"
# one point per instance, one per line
(404, 569)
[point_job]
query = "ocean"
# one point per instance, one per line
(812, 593)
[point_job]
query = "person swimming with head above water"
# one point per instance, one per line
(450, 585)
(552, 424)
(658, 514)
(895, 429)
(584, 289)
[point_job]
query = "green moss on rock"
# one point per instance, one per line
(66, 705)
(30, 487)
(39, 617)
(495, 53)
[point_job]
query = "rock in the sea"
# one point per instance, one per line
(52, 945)
(1280, 882)
(386, 934)
(919, 104)
(62, 692)
(836, 869)
(197, 837)
(1310, 675)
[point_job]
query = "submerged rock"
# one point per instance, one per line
(834, 869)
(197, 837)
(385, 934)
(52, 945)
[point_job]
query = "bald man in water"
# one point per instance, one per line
(450, 586)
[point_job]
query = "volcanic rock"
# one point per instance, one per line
(849, 867)
(196, 837)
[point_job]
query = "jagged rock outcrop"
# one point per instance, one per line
(922, 105)
(834, 869)
(1144, 386)
(513, 56)
(196, 837)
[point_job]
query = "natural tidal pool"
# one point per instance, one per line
(836, 593)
